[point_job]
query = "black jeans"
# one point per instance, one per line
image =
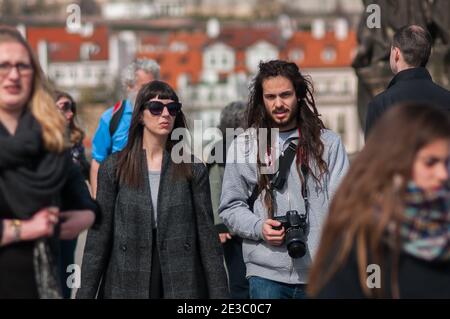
(236, 268)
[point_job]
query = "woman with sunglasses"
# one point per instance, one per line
(66, 104)
(157, 238)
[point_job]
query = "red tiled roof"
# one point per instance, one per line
(189, 61)
(241, 38)
(313, 49)
(174, 63)
(65, 47)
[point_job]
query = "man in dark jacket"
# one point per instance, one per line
(410, 51)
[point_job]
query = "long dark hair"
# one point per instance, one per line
(76, 134)
(372, 194)
(310, 146)
(130, 159)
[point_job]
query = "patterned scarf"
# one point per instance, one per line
(425, 231)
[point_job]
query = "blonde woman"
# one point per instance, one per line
(40, 188)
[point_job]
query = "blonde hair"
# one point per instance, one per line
(41, 102)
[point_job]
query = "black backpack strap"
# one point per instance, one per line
(116, 116)
(277, 180)
(251, 200)
(285, 164)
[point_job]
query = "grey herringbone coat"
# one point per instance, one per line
(120, 250)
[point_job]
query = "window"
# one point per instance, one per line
(102, 74)
(73, 73)
(87, 73)
(212, 60)
(194, 95)
(58, 74)
(297, 55)
(345, 87)
(224, 60)
(183, 59)
(329, 54)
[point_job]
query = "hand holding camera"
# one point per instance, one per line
(295, 226)
(272, 236)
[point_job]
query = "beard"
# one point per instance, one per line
(285, 122)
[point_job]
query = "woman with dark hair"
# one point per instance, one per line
(66, 104)
(42, 194)
(387, 234)
(157, 239)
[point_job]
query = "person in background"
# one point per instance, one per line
(43, 197)
(112, 132)
(387, 234)
(231, 117)
(66, 104)
(410, 52)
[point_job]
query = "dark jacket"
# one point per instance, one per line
(412, 85)
(417, 279)
(17, 272)
(120, 250)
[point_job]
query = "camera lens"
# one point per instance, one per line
(295, 242)
(297, 249)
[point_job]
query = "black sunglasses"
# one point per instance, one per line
(67, 106)
(157, 107)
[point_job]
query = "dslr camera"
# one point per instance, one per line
(296, 229)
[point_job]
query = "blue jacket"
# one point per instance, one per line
(102, 143)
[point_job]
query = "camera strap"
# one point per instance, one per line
(279, 179)
(284, 165)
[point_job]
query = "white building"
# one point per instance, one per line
(260, 51)
(74, 60)
(336, 100)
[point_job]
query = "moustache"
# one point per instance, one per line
(280, 110)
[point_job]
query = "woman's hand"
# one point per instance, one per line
(74, 222)
(224, 237)
(42, 224)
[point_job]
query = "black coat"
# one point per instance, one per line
(17, 278)
(120, 250)
(417, 279)
(412, 85)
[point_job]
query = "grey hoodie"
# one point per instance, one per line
(262, 259)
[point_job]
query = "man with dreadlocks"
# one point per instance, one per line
(253, 196)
